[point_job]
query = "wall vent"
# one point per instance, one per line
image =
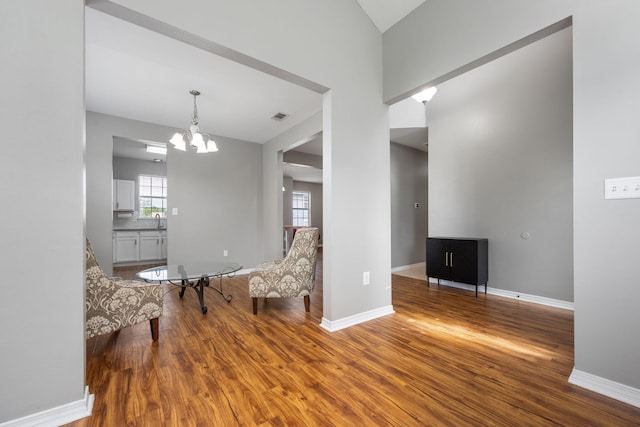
(280, 116)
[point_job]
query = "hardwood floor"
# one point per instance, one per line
(444, 358)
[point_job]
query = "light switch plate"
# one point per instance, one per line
(622, 188)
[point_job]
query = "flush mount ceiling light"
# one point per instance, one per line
(203, 143)
(426, 95)
(156, 149)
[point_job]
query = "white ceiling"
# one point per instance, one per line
(385, 13)
(138, 74)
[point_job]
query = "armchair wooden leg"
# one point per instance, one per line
(255, 305)
(155, 328)
(307, 303)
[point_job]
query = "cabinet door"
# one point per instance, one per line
(437, 261)
(163, 245)
(149, 246)
(123, 195)
(126, 247)
(464, 261)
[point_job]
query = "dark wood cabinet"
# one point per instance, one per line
(462, 260)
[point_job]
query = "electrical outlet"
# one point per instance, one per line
(622, 188)
(365, 278)
(225, 253)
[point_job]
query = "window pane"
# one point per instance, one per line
(301, 203)
(153, 196)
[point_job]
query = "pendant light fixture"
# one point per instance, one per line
(203, 143)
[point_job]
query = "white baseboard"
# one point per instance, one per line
(567, 305)
(57, 416)
(410, 267)
(336, 325)
(621, 392)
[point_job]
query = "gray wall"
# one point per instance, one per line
(302, 158)
(501, 165)
(42, 228)
(420, 50)
(125, 168)
(316, 202)
(409, 184)
(219, 202)
(287, 202)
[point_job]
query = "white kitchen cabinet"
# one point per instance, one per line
(126, 246)
(145, 245)
(164, 240)
(153, 245)
(149, 245)
(124, 193)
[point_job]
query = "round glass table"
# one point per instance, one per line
(196, 276)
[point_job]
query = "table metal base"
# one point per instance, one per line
(199, 286)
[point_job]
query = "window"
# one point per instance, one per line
(153, 196)
(301, 208)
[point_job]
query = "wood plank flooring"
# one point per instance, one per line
(444, 358)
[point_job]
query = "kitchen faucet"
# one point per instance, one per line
(158, 218)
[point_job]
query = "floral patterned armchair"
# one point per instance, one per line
(112, 304)
(290, 277)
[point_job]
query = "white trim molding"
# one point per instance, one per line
(336, 325)
(57, 416)
(612, 389)
(422, 265)
(567, 305)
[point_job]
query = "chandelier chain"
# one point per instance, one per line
(194, 116)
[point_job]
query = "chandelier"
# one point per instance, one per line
(203, 143)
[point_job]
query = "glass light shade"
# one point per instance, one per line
(181, 145)
(201, 149)
(211, 146)
(197, 140)
(426, 95)
(177, 139)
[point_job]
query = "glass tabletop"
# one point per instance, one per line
(194, 271)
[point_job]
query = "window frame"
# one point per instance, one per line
(151, 197)
(294, 210)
